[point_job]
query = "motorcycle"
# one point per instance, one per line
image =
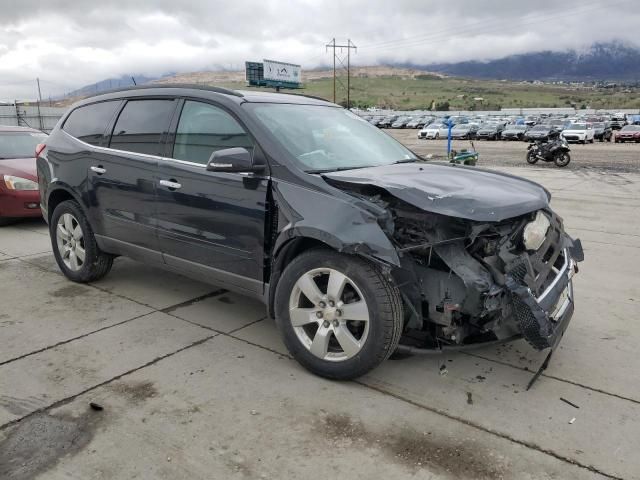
(555, 150)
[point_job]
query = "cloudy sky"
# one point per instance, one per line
(71, 43)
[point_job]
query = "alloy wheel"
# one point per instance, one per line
(329, 314)
(70, 239)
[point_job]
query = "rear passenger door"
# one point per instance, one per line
(211, 223)
(123, 179)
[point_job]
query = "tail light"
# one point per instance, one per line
(39, 149)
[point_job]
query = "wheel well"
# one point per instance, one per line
(287, 253)
(55, 199)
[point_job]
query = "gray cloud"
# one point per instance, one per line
(70, 43)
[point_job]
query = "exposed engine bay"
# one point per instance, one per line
(467, 282)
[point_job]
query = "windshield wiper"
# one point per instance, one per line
(408, 160)
(338, 169)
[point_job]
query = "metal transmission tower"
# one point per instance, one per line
(340, 57)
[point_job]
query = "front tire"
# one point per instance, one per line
(74, 245)
(531, 158)
(338, 315)
(562, 159)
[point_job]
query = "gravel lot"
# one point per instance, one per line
(607, 156)
(195, 383)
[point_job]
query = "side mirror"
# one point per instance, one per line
(237, 159)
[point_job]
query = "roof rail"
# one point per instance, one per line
(307, 96)
(147, 86)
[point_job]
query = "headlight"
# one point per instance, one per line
(535, 232)
(19, 183)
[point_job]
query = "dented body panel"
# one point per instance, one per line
(457, 191)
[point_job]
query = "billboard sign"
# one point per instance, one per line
(282, 72)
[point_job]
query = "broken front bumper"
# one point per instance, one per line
(543, 319)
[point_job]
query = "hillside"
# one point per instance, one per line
(412, 88)
(407, 88)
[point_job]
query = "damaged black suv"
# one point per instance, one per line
(358, 247)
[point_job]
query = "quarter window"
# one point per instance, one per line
(141, 125)
(89, 122)
(204, 129)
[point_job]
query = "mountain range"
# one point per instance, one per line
(602, 61)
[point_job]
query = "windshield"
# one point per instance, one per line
(631, 128)
(19, 144)
(516, 127)
(577, 126)
(328, 138)
(540, 128)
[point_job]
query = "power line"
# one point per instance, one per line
(349, 46)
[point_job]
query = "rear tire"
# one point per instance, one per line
(334, 345)
(74, 245)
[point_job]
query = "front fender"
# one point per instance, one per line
(340, 221)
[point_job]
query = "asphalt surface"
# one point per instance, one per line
(189, 381)
(599, 156)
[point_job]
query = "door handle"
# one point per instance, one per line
(99, 170)
(170, 184)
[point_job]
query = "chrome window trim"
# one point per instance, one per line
(144, 155)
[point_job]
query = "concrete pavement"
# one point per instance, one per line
(195, 382)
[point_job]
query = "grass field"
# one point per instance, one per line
(420, 92)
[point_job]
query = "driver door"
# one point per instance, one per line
(211, 223)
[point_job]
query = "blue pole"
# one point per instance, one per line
(450, 125)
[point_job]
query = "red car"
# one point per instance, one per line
(19, 196)
(629, 133)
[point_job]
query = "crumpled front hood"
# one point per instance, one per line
(456, 191)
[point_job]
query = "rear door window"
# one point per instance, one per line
(88, 123)
(204, 129)
(142, 125)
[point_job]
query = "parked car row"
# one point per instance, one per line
(580, 132)
(603, 127)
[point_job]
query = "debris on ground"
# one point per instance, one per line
(469, 398)
(569, 403)
(253, 412)
(96, 406)
(443, 370)
(572, 420)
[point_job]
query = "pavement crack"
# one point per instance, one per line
(211, 329)
(193, 301)
(564, 380)
(524, 443)
(71, 398)
(69, 340)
